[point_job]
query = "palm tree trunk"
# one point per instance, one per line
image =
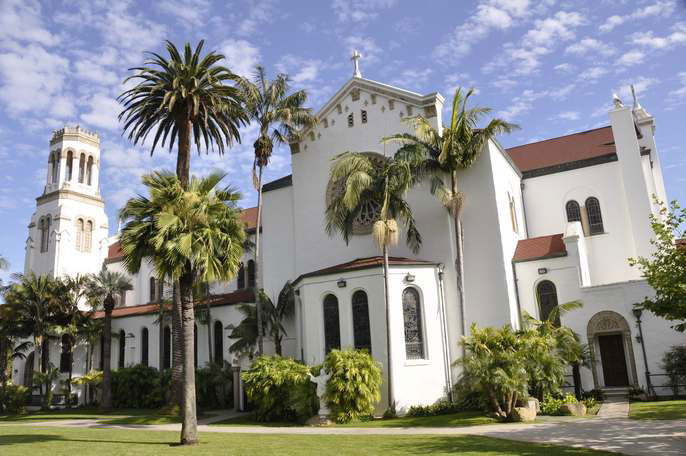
(189, 426)
(176, 393)
(258, 301)
(160, 338)
(72, 342)
(389, 360)
(459, 271)
(106, 363)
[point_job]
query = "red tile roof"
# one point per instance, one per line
(114, 251)
(564, 149)
(364, 263)
(539, 248)
(236, 297)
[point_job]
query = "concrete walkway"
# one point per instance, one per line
(630, 437)
(614, 408)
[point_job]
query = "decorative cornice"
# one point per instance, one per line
(75, 133)
(71, 195)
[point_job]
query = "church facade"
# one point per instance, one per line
(544, 223)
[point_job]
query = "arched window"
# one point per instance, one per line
(79, 234)
(595, 218)
(547, 299)
(166, 348)
(65, 356)
(332, 327)
(195, 346)
(412, 315)
(44, 225)
(361, 331)
(218, 343)
(152, 289)
(122, 348)
(88, 238)
(70, 165)
(51, 168)
(82, 167)
(573, 211)
(144, 346)
(251, 274)
(240, 280)
(89, 171)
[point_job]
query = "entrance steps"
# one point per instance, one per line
(616, 393)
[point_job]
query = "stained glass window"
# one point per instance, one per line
(241, 277)
(332, 328)
(573, 211)
(361, 330)
(595, 218)
(122, 348)
(218, 343)
(547, 299)
(412, 315)
(251, 274)
(144, 346)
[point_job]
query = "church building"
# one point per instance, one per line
(544, 223)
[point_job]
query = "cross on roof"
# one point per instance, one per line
(356, 64)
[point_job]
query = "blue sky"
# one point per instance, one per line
(550, 66)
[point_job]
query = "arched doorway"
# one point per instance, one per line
(28, 370)
(609, 338)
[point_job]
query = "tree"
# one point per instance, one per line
(665, 268)
(384, 184)
(183, 98)
(279, 114)
(192, 236)
(245, 334)
(443, 155)
(275, 314)
(102, 289)
(10, 349)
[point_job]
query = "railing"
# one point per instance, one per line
(662, 385)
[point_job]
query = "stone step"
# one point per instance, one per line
(616, 392)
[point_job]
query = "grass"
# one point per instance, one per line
(658, 410)
(52, 441)
(76, 414)
(459, 419)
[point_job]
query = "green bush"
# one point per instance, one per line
(280, 388)
(441, 407)
(589, 402)
(137, 387)
(214, 386)
(353, 390)
(596, 394)
(13, 398)
(674, 364)
(551, 404)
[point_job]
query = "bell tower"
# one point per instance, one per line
(69, 229)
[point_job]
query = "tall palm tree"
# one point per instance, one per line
(183, 98)
(442, 155)
(365, 180)
(195, 235)
(245, 333)
(279, 116)
(102, 289)
(10, 347)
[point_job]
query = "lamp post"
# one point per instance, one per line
(637, 311)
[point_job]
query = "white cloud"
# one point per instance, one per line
(631, 58)
(681, 91)
(569, 115)
(560, 26)
(365, 45)
(649, 40)
(659, 8)
(641, 85)
(359, 10)
(241, 56)
(412, 78)
(20, 20)
(91, 71)
(593, 73)
(260, 12)
(490, 15)
(300, 70)
(564, 67)
(103, 112)
(409, 25)
(588, 47)
(521, 104)
(191, 13)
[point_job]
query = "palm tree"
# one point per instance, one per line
(442, 155)
(275, 314)
(183, 98)
(102, 289)
(279, 114)
(246, 333)
(385, 185)
(192, 235)
(9, 348)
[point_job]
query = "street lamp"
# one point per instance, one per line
(638, 312)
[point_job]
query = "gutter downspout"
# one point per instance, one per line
(446, 343)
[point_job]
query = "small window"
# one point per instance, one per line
(82, 167)
(339, 108)
(547, 299)
(332, 328)
(44, 226)
(364, 116)
(166, 348)
(373, 96)
(79, 234)
(573, 211)
(391, 105)
(122, 348)
(351, 121)
(409, 110)
(218, 343)
(251, 274)
(70, 165)
(412, 316)
(145, 335)
(361, 329)
(595, 218)
(513, 213)
(153, 289)
(326, 123)
(89, 171)
(240, 279)
(355, 94)
(88, 238)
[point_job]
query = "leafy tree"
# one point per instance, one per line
(674, 364)
(443, 155)
(279, 114)
(102, 288)
(183, 98)
(44, 381)
(245, 334)
(191, 235)
(384, 184)
(665, 268)
(276, 314)
(10, 349)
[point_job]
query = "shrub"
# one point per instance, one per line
(590, 403)
(674, 364)
(137, 387)
(353, 390)
(13, 398)
(441, 407)
(213, 385)
(551, 404)
(280, 388)
(596, 394)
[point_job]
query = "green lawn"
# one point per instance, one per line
(658, 410)
(452, 420)
(37, 441)
(76, 414)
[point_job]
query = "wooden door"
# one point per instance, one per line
(613, 360)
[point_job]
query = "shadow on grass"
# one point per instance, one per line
(15, 439)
